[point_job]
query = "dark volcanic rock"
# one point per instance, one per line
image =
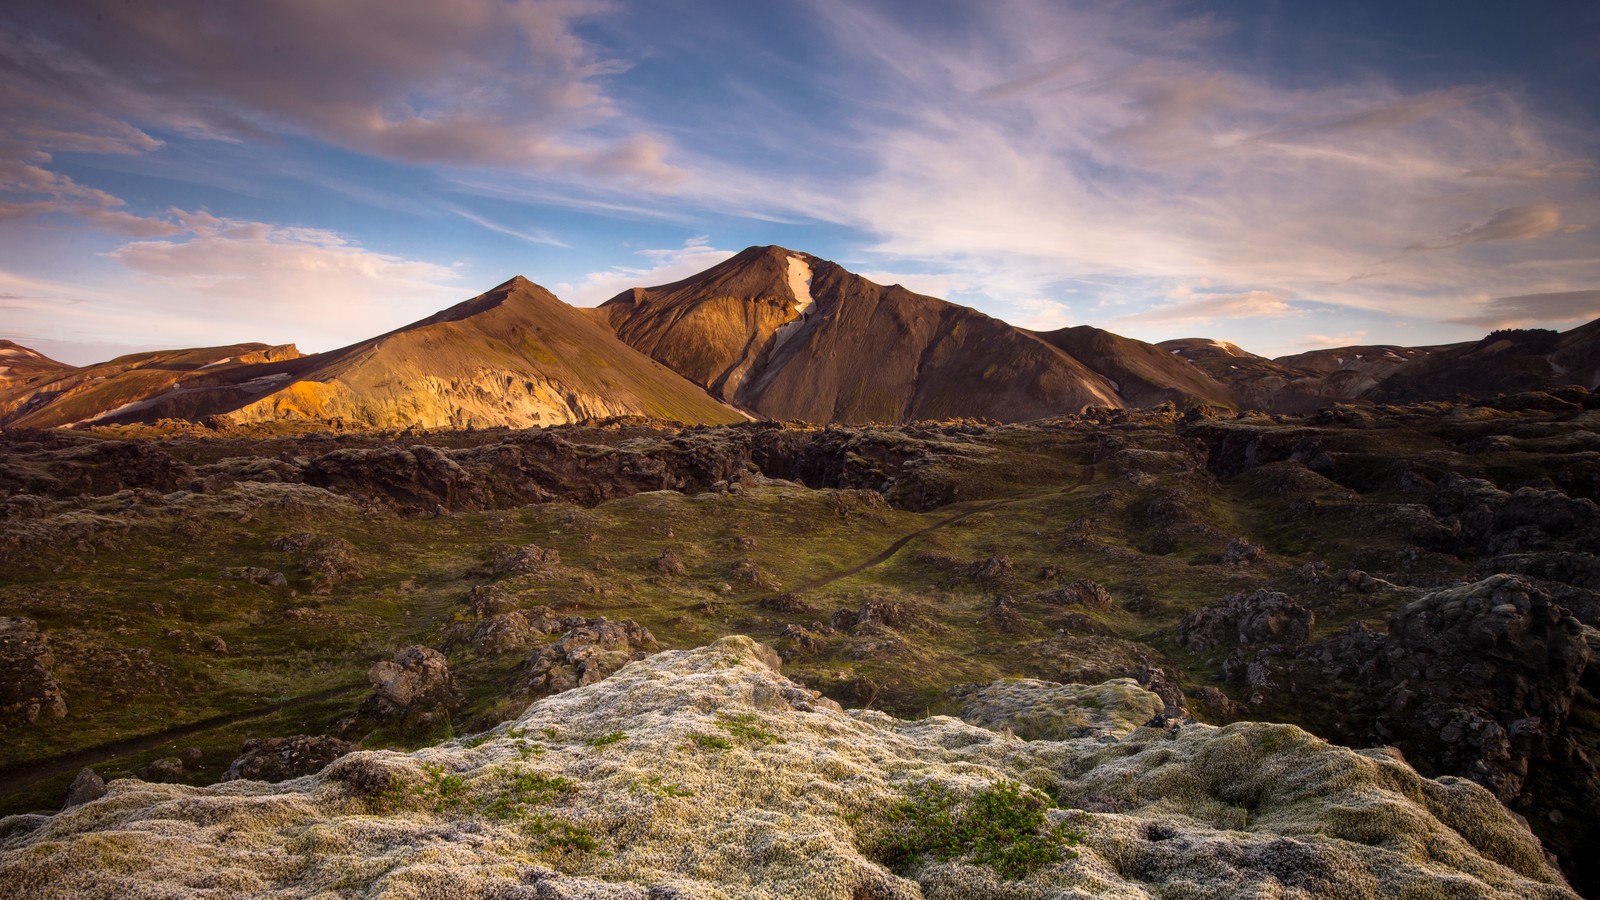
(1258, 617)
(28, 687)
(86, 787)
(514, 631)
(282, 758)
(1483, 674)
(415, 691)
(590, 650)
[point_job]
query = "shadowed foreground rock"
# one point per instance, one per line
(706, 774)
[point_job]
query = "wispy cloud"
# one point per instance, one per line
(666, 266)
(1560, 308)
(1517, 224)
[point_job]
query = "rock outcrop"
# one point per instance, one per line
(587, 652)
(707, 774)
(414, 692)
(1258, 617)
(28, 687)
(283, 758)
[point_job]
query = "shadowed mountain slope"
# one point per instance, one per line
(1521, 359)
(1144, 374)
(787, 335)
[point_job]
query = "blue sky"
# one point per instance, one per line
(1281, 175)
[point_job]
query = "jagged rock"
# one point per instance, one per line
(167, 768)
(1484, 674)
(256, 575)
(1255, 618)
(328, 561)
(1046, 711)
(528, 560)
(514, 631)
(1247, 810)
(28, 687)
(668, 563)
(787, 602)
(1004, 615)
(1081, 592)
(996, 568)
(1241, 552)
(414, 692)
(282, 758)
(876, 615)
(86, 787)
(590, 650)
(489, 599)
(745, 571)
(798, 640)
(1217, 704)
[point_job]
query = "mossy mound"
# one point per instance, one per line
(706, 774)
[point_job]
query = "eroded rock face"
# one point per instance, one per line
(590, 650)
(1258, 617)
(279, 759)
(414, 691)
(28, 687)
(1483, 674)
(1248, 810)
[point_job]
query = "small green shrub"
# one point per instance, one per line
(710, 741)
(606, 739)
(1002, 827)
(747, 727)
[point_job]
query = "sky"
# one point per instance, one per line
(1283, 175)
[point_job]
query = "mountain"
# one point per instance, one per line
(1300, 383)
(786, 335)
(19, 364)
(1510, 360)
(1143, 374)
(178, 383)
(514, 356)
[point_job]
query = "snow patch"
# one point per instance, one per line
(800, 283)
(799, 274)
(225, 359)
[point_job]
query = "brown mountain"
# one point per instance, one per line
(514, 356)
(1510, 360)
(19, 364)
(1300, 383)
(1143, 374)
(134, 386)
(787, 335)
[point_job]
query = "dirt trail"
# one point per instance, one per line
(24, 775)
(1084, 478)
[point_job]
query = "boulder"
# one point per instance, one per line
(415, 691)
(28, 687)
(589, 650)
(1257, 617)
(86, 787)
(283, 758)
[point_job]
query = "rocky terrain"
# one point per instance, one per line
(1100, 597)
(707, 774)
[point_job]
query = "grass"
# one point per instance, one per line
(108, 612)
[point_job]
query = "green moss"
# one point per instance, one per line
(1002, 827)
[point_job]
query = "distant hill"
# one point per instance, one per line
(514, 356)
(786, 335)
(19, 364)
(1143, 374)
(1521, 359)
